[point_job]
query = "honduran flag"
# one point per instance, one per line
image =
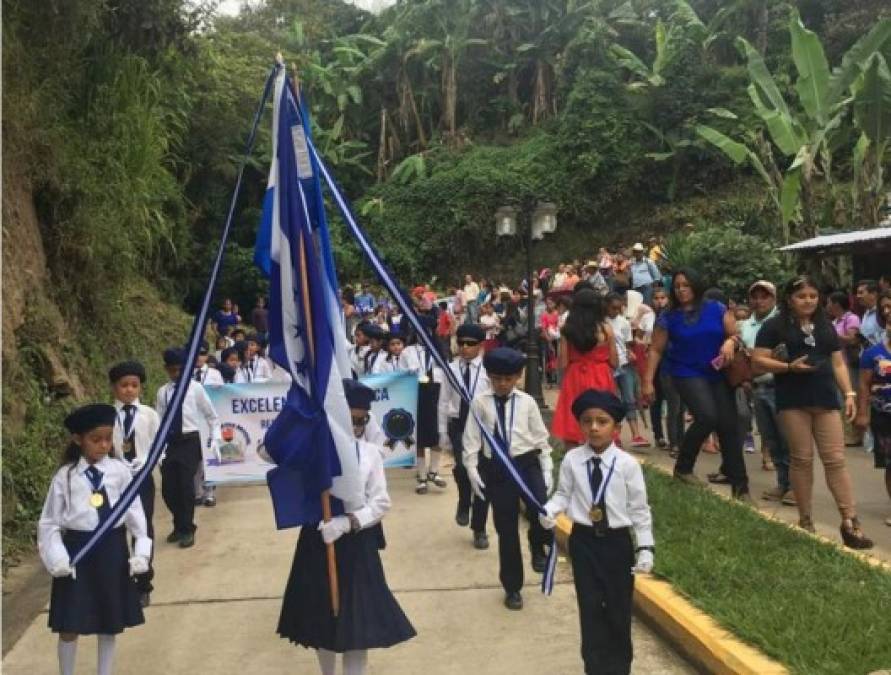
(311, 440)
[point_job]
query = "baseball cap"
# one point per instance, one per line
(637, 247)
(766, 285)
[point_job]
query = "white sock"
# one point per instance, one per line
(67, 655)
(354, 662)
(422, 465)
(327, 661)
(105, 660)
(435, 456)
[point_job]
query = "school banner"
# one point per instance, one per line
(395, 409)
(246, 411)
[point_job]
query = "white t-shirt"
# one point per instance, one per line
(623, 335)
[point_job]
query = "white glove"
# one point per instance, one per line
(136, 465)
(445, 443)
(476, 483)
(215, 449)
(548, 481)
(62, 569)
(644, 562)
(546, 521)
(335, 528)
(138, 565)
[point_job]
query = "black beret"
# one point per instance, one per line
(89, 417)
(470, 331)
(504, 361)
(597, 398)
(174, 356)
(358, 395)
(124, 368)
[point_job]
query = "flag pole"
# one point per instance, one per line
(333, 585)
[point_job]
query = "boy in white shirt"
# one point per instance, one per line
(626, 378)
(601, 489)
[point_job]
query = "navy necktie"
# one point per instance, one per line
(595, 476)
(464, 410)
(500, 408)
(95, 476)
(198, 375)
(129, 415)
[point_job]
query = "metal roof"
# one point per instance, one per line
(840, 239)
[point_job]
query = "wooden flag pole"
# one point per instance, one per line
(333, 585)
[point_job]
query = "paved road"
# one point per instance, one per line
(216, 605)
(873, 505)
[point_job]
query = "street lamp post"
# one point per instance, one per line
(540, 221)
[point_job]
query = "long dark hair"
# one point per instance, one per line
(697, 285)
(71, 454)
(585, 318)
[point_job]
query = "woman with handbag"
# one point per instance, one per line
(801, 348)
(697, 338)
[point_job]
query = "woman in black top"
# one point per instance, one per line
(801, 348)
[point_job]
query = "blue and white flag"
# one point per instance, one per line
(311, 440)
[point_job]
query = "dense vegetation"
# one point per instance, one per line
(124, 121)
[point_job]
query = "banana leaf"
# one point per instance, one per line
(813, 71)
(872, 100)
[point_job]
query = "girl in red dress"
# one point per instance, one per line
(588, 357)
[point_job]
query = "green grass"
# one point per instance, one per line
(803, 602)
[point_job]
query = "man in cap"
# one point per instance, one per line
(644, 272)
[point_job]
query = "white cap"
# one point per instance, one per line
(637, 247)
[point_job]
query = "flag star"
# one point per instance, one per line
(298, 331)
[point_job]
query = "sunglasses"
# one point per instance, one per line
(361, 421)
(468, 343)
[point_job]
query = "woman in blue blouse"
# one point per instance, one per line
(697, 338)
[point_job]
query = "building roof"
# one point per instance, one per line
(841, 239)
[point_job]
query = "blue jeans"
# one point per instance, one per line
(646, 291)
(625, 381)
(764, 398)
(666, 394)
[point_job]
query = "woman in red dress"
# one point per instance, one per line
(588, 357)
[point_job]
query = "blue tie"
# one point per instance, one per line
(500, 405)
(95, 476)
(129, 415)
(596, 477)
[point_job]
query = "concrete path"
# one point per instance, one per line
(216, 606)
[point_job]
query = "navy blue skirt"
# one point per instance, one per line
(369, 617)
(103, 599)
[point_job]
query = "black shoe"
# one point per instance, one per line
(187, 540)
(145, 599)
(210, 501)
(480, 541)
(173, 537)
(462, 517)
(513, 601)
(539, 562)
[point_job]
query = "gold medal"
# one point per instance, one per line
(595, 514)
(423, 379)
(96, 500)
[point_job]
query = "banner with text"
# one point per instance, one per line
(395, 409)
(246, 411)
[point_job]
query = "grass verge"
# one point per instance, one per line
(801, 601)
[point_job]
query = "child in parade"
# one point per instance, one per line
(370, 617)
(472, 509)
(135, 427)
(358, 349)
(183, 453)
(204, 374)
(376, 339)
(601, 489)
(398, 358)
(516, 422)
(97, 596)
(430, 381)
(253, 368)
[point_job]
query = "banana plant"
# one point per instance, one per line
(803, 135)
(872, 112)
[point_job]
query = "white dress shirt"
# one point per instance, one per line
(371, 359)
(450, 399)
(376, 500)
(625, 494)
(357, 358)
(67, 507)
(196, 406)
(407, 361)
(145, 428)
(622, 335)
(526, 429)
(255, 370)
(209, 377)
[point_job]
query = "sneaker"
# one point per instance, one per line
(421, 487)
(173, 537)
(689, 478)
(187, 540)
(436, 479)
(462, 517)
(145, 599)
(480, 541)
(774, 494)
(210, 501)
(639, 442)
(749, 444)
(789, 499)
(513, 601)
